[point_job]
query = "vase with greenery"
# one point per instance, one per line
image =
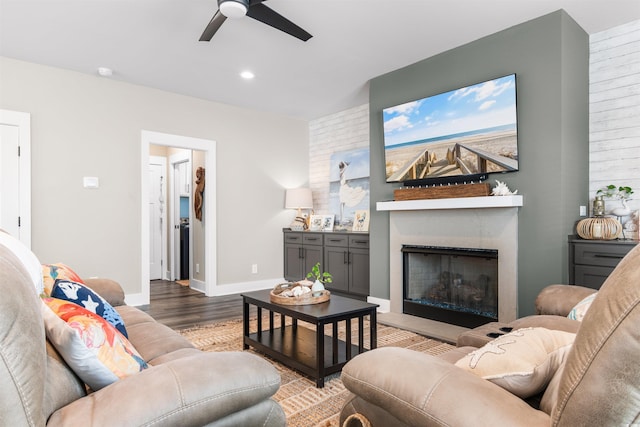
(623, 193)
(320, 277)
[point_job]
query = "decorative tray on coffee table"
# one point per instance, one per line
(284, 294)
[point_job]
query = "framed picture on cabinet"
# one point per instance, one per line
(361, 221)
(315, 223)
(327, 222)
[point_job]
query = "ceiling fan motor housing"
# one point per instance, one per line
(233, 8)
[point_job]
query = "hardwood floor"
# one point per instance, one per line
(179, 307)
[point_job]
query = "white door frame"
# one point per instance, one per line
(23, 122)
(209, 149)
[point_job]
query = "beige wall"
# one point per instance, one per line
(83, 125)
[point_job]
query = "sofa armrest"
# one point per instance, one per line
(560, 299)
(419, 389)
(108, 289)
(192, 391)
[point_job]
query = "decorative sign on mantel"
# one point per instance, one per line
(442, 192)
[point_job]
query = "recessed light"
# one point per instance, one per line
(247, 75)
(105, 72)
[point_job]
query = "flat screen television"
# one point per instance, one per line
(457, 136)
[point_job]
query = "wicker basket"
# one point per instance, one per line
(304, 299)
(599, 228)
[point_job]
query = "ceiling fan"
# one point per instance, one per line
(253, 9)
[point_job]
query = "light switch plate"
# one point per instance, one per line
(90, 182)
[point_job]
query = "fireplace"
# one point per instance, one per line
(471, 222)
(454, 285)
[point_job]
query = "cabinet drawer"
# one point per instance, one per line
(340, 240)
(599, 255)
(293, 237)
(359, 242)
(591, 277)
(312, 239)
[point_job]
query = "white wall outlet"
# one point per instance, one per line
(583, 211)
(197, 268)
(254, 268)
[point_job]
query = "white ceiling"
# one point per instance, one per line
(155, 43)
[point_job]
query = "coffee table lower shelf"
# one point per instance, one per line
(295, 346)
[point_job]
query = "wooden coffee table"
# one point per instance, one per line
(309, 351)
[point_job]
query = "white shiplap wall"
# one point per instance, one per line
(614, 111)
(346, 130)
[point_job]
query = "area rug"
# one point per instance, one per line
(303, 403)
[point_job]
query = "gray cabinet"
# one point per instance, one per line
(591, 261)
(344, 255)
(302, 250)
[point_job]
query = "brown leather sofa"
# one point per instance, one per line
(596, 384)
(182, 387)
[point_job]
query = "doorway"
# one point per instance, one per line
(207, 226)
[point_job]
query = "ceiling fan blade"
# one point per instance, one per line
(262, 13)
(212, 26)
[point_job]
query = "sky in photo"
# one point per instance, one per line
(480, 106)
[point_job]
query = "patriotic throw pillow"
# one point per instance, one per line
(84, 296)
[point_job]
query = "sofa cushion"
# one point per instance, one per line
(92, 347)
(580, 309)
(151, 339)
(84, 296)
(522, 362)
(52, 272)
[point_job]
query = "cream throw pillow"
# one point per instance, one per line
(522, 362)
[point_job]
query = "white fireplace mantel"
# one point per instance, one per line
(454, 203)
(468, 222)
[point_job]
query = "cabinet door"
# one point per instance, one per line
(293, 262)
(359, 271)
(336, 263)
(312, 256)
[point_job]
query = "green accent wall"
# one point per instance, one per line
(550, 56)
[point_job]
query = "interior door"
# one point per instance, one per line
(15, 174)
(156, 218)
(180, 171)
(10, 184)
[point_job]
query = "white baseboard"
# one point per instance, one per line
(136, 299)
(384, 304)
(198, 285)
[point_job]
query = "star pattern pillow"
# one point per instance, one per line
(84, 296)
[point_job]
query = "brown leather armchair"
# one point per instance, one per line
(598, 382)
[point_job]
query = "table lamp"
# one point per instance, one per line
(299, 198)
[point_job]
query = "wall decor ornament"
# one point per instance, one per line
(198, 193)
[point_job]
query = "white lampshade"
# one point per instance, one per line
(298, 198)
